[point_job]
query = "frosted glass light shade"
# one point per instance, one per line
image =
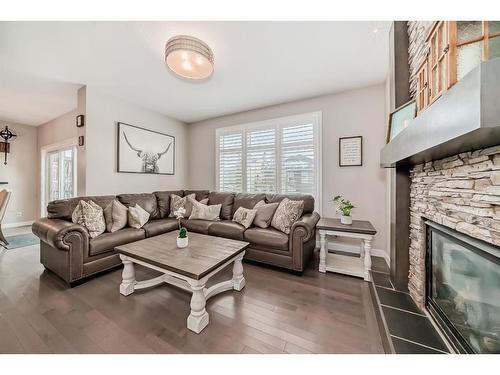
(189, 57)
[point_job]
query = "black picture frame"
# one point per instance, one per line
(411, 108)
(80, 121)
(360, 151)
(119, 125)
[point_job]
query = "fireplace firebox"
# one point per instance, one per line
(463, 289)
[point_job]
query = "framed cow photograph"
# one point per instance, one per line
(142, 150)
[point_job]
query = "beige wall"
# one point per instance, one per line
(358, 112)
(103, 112)
(21, 175)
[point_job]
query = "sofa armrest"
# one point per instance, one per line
(54, 232)
(305, 227)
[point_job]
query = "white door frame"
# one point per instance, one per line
(71, 142)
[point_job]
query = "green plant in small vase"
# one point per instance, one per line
(182, 237)
(344, 207)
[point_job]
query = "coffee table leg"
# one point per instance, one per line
(128, 277)
(238, 278)
(198, 319)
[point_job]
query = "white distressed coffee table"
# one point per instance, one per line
(189, 268)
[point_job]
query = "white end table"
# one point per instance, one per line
(346, 264)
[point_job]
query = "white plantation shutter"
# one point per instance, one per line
(230, 149)
(261, 160)
(279, 155)
(297, 159)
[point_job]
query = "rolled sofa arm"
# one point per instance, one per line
(55, 231)
(305, 227)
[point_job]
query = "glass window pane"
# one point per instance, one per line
(467, 30)
(261, 160)
(230, 162)
(494, 47)
(297, 159)
(468, 57)
(53, 171)
(67, 160)
(493, 26)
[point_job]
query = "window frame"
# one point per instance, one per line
(315, 118)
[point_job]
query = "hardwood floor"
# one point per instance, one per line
(277, 312)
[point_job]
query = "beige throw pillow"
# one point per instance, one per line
(287, 213)
(91, 216)
(264, 214)
(115, 215)
(177, 202)
(244, 216)
(203, 212)
(137, 216)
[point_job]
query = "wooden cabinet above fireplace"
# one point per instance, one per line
(453, 49)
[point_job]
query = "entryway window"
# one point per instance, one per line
(58, 172)
(280, 155)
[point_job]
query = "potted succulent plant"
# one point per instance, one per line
(182, 237)
(344, 207)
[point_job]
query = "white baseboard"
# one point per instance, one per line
(348, 248)
(17, 225)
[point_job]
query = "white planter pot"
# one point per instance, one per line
(346, 219)
(182, 242)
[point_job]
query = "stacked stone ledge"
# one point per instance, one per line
(461, 192)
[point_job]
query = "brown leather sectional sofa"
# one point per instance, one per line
(67, 250)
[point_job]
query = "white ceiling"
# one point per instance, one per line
(256, 64)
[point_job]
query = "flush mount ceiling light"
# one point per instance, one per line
(189, 57)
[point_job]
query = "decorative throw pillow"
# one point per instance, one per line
(96, 224)
(203, 212)
(76, 216)
(108, 216)
(92, 218)
(137, 216)
(264, 214)
(287, 213)
(115, 215)
(244, 216)
(177, 202)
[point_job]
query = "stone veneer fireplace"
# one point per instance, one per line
(462, 193)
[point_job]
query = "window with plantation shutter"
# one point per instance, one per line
(261, 160)
(298, 172)
(273, 156)
(230, 149)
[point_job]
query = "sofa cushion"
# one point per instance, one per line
(227, 229)
(160, 226)
(199, 194)
(268, 237)
(108, 241)
(307, 198)
(63, 208)
(197, 226)
(247, 200)
(163, 199)
(146, 200)
(226, 200)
